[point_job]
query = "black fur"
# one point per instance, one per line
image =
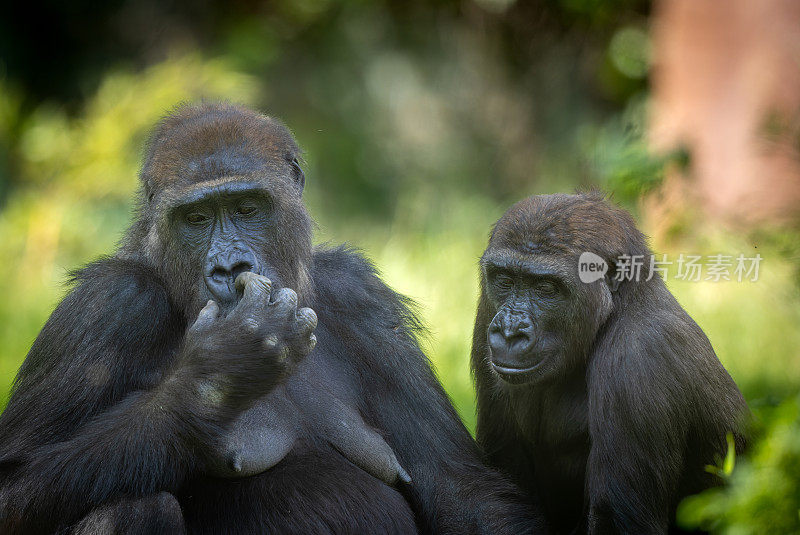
(609, 399)
(105, 423)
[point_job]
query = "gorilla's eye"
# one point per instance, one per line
(546, 287)
(245, 209)
(196, 218)
(503, 281)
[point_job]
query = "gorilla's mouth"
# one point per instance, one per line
(514, 374)
(224, 295)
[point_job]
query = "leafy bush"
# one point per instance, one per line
(762, 494)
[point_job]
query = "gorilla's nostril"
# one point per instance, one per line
(219, 274)
(517, 335)
(225, 273)
(240, 267)
(514, 333)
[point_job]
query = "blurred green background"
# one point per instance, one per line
(421, 123)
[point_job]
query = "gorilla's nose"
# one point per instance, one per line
(510, 338)
(222, 270)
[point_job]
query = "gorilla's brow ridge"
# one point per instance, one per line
(229, 185)
(532, 264)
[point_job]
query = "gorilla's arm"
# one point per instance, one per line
(643, 375)
(81, 424)
(91, 417)
(86, 420)
(452, 490)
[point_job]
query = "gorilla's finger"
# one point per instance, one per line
(306, 320)
(271, 341)
(254, 287)
(206, 317)
(284, 300)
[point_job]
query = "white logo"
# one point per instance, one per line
(591, 267)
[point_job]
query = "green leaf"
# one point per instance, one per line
(730, 457)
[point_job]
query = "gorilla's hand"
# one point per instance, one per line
(275, 321)
(246, 353)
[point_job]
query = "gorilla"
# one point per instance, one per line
(598, 394)
(217, 374)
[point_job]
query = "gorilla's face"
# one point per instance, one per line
(213, 231)
(225, 230)
(222, 194)
(545, 318)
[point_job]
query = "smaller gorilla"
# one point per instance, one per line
(603, 398)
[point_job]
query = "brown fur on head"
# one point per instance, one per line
(204, 146)
(567, 225)
(210, 141)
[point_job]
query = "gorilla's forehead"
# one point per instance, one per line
(220, 186)
(209, 141)
(534, 225)
(567, 225)
(179, 195)
(222, 161)
(226, 161)
(531, 237)
(537, 263)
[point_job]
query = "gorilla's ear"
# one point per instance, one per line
(149, 194)
(612, 281)
(297, 174)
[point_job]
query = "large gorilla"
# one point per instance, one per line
(136, 396)
(603, 397)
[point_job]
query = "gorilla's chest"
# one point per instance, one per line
(316, 404)
(305, 439)
(556, 427)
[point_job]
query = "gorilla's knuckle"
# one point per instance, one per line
(250, 325)
(283, 356)
(306, 319)
(286, 297)
(271, 342)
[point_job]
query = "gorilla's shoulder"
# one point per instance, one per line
(347, 284)
(341, 261)
(118, 289)
(113, 303)
(119, 278)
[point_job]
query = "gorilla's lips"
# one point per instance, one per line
(227, 292)
(224, 295)
(517, 374)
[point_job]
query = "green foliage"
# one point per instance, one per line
(729, 463)
(762, 494)
(616, 156)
